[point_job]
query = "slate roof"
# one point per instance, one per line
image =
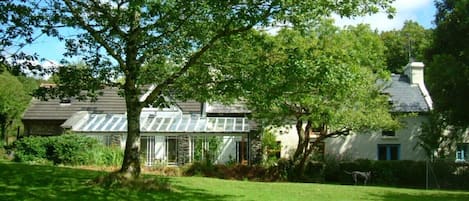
(110, 102)
(237, 108)
(189, 106)
(405, 97)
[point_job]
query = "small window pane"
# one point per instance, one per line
(239, 124)
(112, 123)
(229, 124)
(156, 124)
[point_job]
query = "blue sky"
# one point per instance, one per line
(422, 11)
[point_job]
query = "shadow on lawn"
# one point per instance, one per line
(33, 182)
(430, 196)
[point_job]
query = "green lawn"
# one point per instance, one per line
(30, 182)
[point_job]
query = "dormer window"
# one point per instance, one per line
(388, 133)
(65, 101)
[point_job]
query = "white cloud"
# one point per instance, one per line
(405, 10)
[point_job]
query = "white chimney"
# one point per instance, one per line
(414, 71)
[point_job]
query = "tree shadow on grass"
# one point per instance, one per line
(34, 182)
(426, 196)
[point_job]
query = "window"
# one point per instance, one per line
(241, 151)
(171, 150)
(65, 102)
(147, 147)
(389, 151)
(462, 150)
(388, 133)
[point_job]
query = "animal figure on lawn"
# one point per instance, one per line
(359, 174)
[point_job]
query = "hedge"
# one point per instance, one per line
(69, 149)
(442, 174)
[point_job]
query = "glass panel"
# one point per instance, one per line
(184, 121)
(388, 133)
(95, 124)
(241, 152)
(156, 124)
(239, 124)
(165, 124)
(394, 152)
(107, 119)
(229, 124)
(171, 150)
(112, 123)
(201, 124)
(146, 123)
(121, 125)
(174, 124)
(211, 124)
(382, 153)
(87, 124)
(147, 145)
(192, 123)
(220, 124)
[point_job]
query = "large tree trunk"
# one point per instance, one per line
(300, 146)
(131, 162)
(305, 148)
(3, 129)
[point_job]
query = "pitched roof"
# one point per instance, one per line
(109, 102)
(405, 97)
(219, 108)
(189, 106)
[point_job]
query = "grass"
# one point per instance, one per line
(34, 182)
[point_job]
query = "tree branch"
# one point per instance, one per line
(94, 33)
(192, 60)
(113, 18)
(342, 132)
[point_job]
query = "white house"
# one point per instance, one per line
(190, 131)
(408, 95)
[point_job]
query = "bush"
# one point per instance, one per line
(69, 149)
(31, 149)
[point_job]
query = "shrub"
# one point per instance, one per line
(105, 156)
(31, 149)
(69, 149)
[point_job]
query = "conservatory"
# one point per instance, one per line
(171, 137)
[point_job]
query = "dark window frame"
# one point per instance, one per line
(389, 152)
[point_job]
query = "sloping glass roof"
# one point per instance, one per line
(151, 123)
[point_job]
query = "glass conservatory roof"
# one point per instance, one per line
(152, 123)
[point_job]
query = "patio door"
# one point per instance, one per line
(171, 150)
(147, 145)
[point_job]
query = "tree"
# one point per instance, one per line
(448, 63)
(13, 101)
(317, 79)
(410, 42)
(118, 38)
(324, 81)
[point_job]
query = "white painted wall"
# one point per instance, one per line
(361, 146)
(288, 138)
